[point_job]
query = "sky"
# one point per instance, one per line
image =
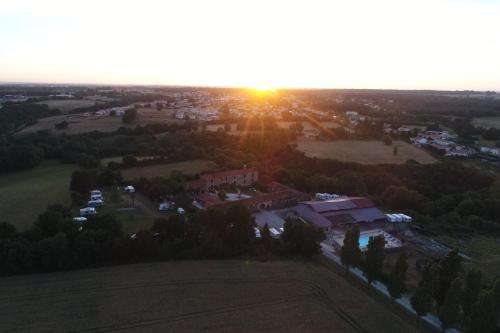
(421, 44)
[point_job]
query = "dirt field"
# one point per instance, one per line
(487, 122)
(187, 167)
(24, 195)
(79, 123)
(67, 105)
(210, 296)
(364, 152)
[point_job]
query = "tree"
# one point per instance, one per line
(222, 195)
(350, 254)
(421, 300)
(172, 228)
(129, 161)
(397, 278)
(129, 116)
(471, 290)
(447, 271)
(375, 256)
(240, 229)
(450, 308)
(52, 253)
(483, 315)
(62, 125)
(54, 220)
(83, 181)
(301, 238)
(7, 230)
(265, 235)
(399, 197)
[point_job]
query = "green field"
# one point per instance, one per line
(67, 105)
(364, 152)
(119, 159)
(164, 170)
(485, 252)
(135, 212)
(82, 123)
(194, 296)
(486, 122)
(25, 194)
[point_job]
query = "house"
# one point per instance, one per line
(339, 212)
(207, 182)
(278, 196)
(95, 203)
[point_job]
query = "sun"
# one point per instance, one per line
(263, 90)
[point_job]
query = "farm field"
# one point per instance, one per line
(187, 296)
(486, 122)
(187, 167)
(26, 194)
(79, 123)
(67, 105)
(281, 124)
(364, 152)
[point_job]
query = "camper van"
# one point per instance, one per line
(96, 195)
(87, 211)
(95, 203)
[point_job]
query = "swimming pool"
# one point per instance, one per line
(364, 238)
(363, 241)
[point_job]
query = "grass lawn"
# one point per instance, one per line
(67, 105)
(187, 167)
(486, 122)
(136, 214)
(364, 152)
(485, 252)
(26, 194)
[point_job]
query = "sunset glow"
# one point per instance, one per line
(261, 44)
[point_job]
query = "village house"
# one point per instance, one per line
(216, 180)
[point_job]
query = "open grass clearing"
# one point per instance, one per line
(164, 170)
(486, 122)
(119, 159)
(80, 123)
(485, 252)
(67, 105)
(26, 194)
(364, 152)
(135, 211)
(187, 296)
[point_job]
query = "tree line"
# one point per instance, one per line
(56, 242)
(445, 288)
